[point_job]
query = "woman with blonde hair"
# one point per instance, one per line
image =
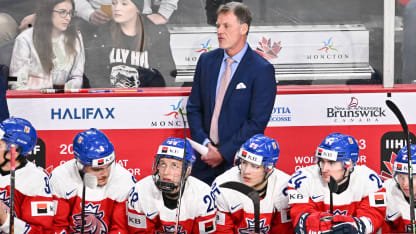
(129, 51)
(51, 54)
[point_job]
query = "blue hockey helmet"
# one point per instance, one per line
(20, 132)
(400, 163)
(93, 148)
(338, 147)
(174, 148)
(259, 150)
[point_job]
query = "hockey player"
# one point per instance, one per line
(33, 199)
(358, 201)
(254, 167)
(397, 193)
(153, 201)
(105, 194)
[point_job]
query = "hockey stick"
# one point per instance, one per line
(12, 185)
(90, 181)
(252, 194)
(83, 200)
(182, 180)
(400, 116)
(333, 186)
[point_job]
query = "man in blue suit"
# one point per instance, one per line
(248, 99)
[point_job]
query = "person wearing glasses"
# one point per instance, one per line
(50, 52)
(155, 201)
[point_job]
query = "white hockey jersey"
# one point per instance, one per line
(33, 200)
(235, 212)
(364, 197)
(148, 214)
(105, 206)
(398, 209)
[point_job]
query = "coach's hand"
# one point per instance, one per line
(213, 158)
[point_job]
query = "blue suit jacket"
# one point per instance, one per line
(4, 111)
(244, 113)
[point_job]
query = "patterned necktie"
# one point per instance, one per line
(225, 80)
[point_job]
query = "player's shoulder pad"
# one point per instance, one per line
(366, 180)
(231, 174)
(297, 179)
(120, 183)
(198, 194)
(64, 176)
(32, 181)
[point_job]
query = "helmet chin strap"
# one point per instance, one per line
(167, 187)
(343, 176)
(265, 177)
(6, 160)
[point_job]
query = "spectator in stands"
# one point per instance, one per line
(211, 7)
(52, 46)
(166, 8)
(91, 11)
(8, 28)
(130, 49)
(409, 45)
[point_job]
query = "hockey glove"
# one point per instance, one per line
(315, 222)
(347, 224)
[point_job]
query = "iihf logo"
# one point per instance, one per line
(250, 228)
(93, 220)
(171, 229)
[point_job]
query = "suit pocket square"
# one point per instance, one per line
(241, 86)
